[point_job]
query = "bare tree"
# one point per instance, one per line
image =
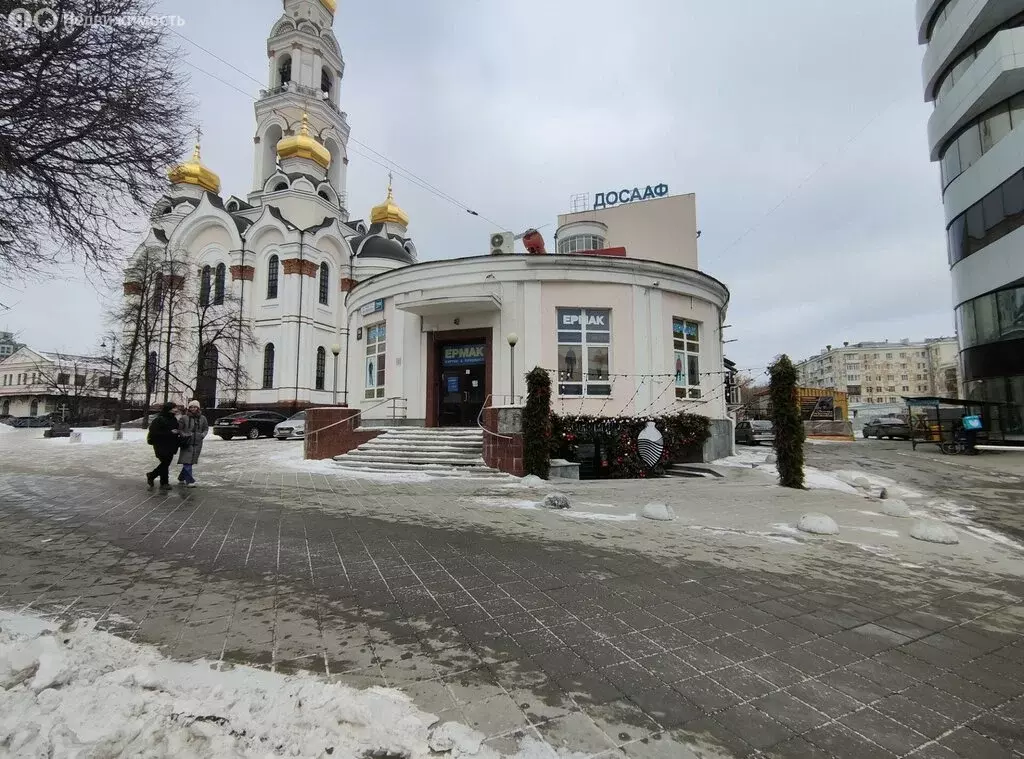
(183, 330)
(136, 320)
(91, 115)
(213, 340)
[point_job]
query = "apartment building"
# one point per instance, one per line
(885, 372)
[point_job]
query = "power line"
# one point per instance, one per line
(391, 164)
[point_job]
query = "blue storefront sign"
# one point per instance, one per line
(372, 307)
(464, 355)
(453, 383)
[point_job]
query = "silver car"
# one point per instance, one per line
(292, 428)
(755, 432)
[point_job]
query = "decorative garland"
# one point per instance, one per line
(615, 438)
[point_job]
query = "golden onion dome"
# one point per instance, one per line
(193, 172)
(388, 211)
(301, 145)
(331, 5)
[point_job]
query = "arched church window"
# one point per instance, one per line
(272, 275)
(268, 366)
(321, 367)
(219, 281)
(204, 285)
(326, 83)
(158, 292)
(284, 71)
(280, 186)
(324, 195)
(325, 283)
(33, 409)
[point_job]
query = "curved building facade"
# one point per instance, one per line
(973, 73)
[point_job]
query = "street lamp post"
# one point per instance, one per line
(512, 338)
(335, 349)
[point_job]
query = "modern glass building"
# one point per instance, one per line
(973, 73)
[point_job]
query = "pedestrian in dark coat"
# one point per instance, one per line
(192, 427)
(163, 436)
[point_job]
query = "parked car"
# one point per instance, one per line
(292, 427)
(890, 426)
(250, 424)
(755, 432)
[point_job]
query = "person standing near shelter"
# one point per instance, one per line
(163, 436)
(192, 426)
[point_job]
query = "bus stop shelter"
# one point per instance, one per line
(932, 419)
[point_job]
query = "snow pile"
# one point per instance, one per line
(77, 692)
(897, 509)
(532, 481)
(658, 511)
(100, 436)
(817, 524)
(556, 501)
(745, 459)
(934, 532)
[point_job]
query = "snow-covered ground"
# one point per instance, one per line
(75, 691)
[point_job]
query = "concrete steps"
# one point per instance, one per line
(436, 452)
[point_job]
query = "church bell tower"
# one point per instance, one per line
(302, 97)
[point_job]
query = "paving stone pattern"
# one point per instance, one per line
(606, 653)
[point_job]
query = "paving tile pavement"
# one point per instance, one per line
(593, 650)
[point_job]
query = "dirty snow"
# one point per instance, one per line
(74, 691)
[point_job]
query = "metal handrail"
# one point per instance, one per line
(358, 412)
(480, 422)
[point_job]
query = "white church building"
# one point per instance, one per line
(343, 312)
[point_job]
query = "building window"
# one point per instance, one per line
(219, 281)
(205, 277)
(33, 409)
(268, 366)
(376, 355)
(686, 355)
(991, 318)
(273, 271)
(79, 380)
(578, 243)
(584, 345)
(321, 367)
(993, 217)
(63, 379)
(325, 283)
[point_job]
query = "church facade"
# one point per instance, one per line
(338, 311)
(283, 257)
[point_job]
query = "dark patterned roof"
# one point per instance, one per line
(378, 246)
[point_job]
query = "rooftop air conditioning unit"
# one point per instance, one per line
(503, 244)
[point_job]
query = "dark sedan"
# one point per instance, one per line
(250, 424)
(891, 427)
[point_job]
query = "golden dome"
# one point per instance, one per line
(388, 211)
(331, 5)
(301, 145)
(193, 172)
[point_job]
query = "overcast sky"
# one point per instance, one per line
(513, 107)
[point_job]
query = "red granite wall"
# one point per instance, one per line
(502, 453)
(336, 440)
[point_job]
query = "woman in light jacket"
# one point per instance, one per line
(192, 427)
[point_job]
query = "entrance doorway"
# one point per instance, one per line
(463, 383)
